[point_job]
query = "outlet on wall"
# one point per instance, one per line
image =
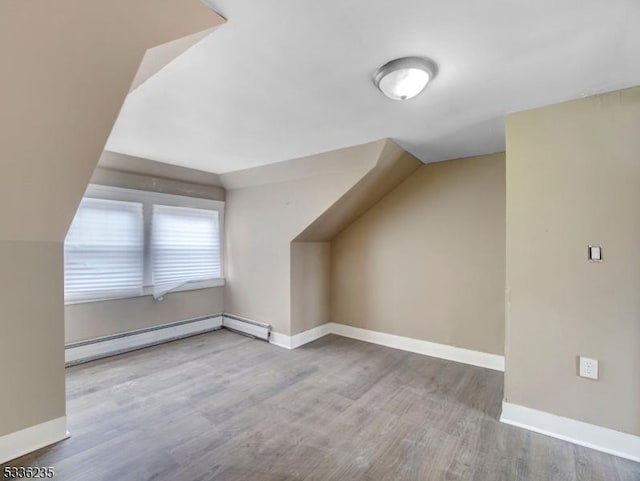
(589, 368)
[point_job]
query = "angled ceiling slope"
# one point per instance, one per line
(67, 67)
(288, 79)
(394, 165)
(156, 58)
(138, 166)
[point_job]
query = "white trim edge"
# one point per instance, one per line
(297, 340)
(112, 345)
(442, 351)
(252, 328)
(427, 348)
(584, 434)
(31, 439)
(280, 340)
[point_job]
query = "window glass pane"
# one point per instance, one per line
(104, 251)
(185, 245)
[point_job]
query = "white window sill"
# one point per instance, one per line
(148, 291)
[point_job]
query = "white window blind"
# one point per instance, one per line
(185, 246)
(104, 251)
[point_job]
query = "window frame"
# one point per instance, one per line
(148, 199)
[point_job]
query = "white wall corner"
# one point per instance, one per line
(280, 340)
(577, 432)
(297, 340)
(31, 439)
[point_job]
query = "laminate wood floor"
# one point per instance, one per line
(221, 406)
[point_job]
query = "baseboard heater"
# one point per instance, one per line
(85, 351)
(247, 326)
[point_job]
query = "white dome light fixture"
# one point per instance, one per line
(404, 78)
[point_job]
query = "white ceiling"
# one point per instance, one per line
(290, 78)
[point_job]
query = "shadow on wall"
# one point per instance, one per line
(427, 261)
(304, 200)
(53, 127)
(311, 249)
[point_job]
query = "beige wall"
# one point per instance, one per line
(67, 67)
(129, 180)
(65, 73)
(573, 179)
(354, 160)
(151, 168)
(260, 223)
(32, 338)
(310, 285)
(427, 261)
(308, 200)
(393, 165)
(96, 319)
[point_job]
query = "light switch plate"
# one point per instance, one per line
(589, 368)
(595, 253)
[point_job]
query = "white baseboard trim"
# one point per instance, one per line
(591, 436)
(255, 329)
(297, 340)
(442, 351)
(31, 439)
(79, 352)
(280, 340)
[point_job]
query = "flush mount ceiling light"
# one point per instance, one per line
(404, 78)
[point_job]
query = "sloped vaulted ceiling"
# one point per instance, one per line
(66, 67)
(292, 78)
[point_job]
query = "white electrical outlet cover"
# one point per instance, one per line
(588, 368)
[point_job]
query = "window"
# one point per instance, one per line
(104, 251)
(127, 243)
(184, 246)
